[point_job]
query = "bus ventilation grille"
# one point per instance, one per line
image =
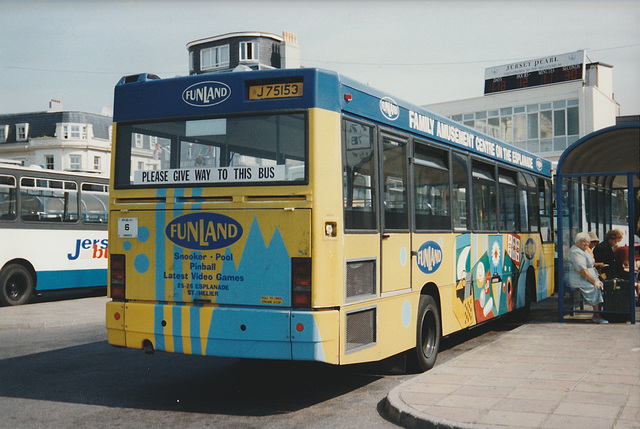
(361, 329)
(361, 278)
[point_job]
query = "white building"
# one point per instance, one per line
(247, 50)
(57, 140)
(542, 105)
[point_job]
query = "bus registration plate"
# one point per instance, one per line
(128, 227)
(275, 90)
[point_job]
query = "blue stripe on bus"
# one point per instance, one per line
(160, 225)
(177, 250)
(160, 268)
(70, 279)
(158, 329)
(194, 312)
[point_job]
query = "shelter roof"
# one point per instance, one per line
(605, 152)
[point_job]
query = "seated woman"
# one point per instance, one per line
(603, 252)
(621, 254)
(583, 275)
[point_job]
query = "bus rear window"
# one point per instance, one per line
(265, 149)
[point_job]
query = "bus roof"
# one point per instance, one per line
(216, 94)
(87, 174)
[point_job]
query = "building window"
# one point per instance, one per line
(519, 127)
(493, 127)
(74, 131)
(572, 121)
(4, 131)
(532, 125)
(96, 163)
(559, 123)
(48, 162)
(75, 162)
(506, 128)
(249, 51)
(138, 142)
(22, 132)
(545, 127)
(214, 57)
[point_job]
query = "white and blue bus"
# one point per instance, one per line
(53, 230)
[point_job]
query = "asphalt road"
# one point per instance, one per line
(69, 376)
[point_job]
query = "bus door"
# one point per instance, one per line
(395, 238)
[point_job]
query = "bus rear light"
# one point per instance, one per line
(118, 277)
(301, 282)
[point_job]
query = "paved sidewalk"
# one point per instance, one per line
(54, 314)
(543, 374)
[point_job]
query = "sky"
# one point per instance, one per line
(422, 52)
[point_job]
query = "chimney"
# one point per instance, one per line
(55, 106)
(290, 51)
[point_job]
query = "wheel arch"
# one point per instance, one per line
(26, 264)
(432, 289)
(531, 285)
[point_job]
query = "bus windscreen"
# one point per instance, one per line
(268, 149)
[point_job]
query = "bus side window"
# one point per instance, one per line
(94, 201)
(359, 176)
(546, 210)
(48, 201)
(459, 194)
(484, 197)
(396, 210)
(7, 197)
(30, 207)
(432, 188)
(508, 197)
(529, 203)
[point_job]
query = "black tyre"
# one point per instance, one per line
(522, 314)
(16, 285)
(428, 334)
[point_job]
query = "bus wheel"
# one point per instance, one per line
(16, 285)
(428, 335)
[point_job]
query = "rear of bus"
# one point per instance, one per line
(211, 216)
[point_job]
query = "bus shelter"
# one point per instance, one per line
(597, 189)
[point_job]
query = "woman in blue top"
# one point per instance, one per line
(583, 276)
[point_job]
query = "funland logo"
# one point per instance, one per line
(389, 108)
(538, 164)
(205, 94)
(530, 249)
(203, 231)
(429, 257)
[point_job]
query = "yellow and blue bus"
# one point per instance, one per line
(53, 231)
(300, 215)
